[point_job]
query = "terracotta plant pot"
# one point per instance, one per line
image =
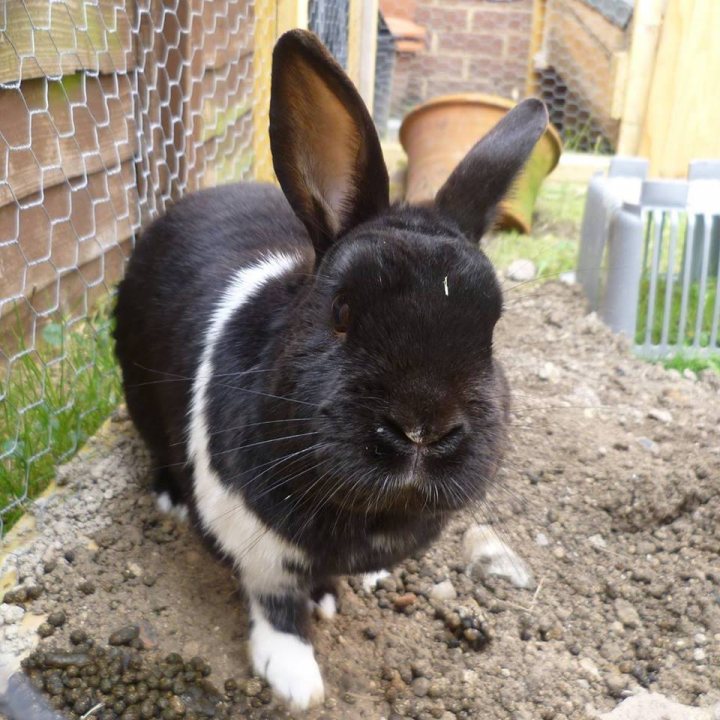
(437, 134)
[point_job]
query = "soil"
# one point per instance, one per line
(610, 493)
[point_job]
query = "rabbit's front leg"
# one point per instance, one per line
(280, 646)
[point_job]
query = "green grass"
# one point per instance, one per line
(52, 398)
(586, 139)
(681, 362)
(552, 254)
(553, 246)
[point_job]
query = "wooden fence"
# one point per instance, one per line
(107, 113)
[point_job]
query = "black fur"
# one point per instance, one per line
(356, 446)
(287, 613)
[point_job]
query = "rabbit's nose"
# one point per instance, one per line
(440, 438)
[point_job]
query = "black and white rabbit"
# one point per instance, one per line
(311, 368)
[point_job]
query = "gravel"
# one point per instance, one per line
(612, 506)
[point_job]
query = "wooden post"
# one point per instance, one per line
(265, 34)
(272, 19)
(362, 47)
(537, 34)
(647, 20)
(291, 14)
(683, 111)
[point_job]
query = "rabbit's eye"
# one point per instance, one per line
(340, 315)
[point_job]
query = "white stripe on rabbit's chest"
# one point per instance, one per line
(255, 548)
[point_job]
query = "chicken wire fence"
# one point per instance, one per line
(110, 110)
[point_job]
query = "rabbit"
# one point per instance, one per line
(312, 368)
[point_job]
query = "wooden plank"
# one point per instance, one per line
(272, 18)
(647, 21)
(362, 47)
(537, 33)
(227, 157)
(162, 48)
(153, 183)
(50, 39)
(355, 22)
(618, 70)
(54, 130)
(219, 62)
(266, 31)
(66, 228)
(291, 14)
(218, 102)
(683, 111)
(71, 297)
(226, 95)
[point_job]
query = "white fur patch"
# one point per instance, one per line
(327, 607)
(165, 505)
(286, 662)
(256, 549)
(370, 580)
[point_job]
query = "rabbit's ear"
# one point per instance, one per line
(472, 192)
(326, 152)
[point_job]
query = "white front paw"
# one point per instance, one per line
(371, 579)
(288, 664)
(326, 607)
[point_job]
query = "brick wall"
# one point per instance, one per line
(471, 46)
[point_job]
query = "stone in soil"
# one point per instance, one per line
(485, 552)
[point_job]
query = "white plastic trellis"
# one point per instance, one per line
(649, 259)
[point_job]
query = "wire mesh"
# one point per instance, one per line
(328, 19)
(109, 111)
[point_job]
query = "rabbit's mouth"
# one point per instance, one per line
(413, 491)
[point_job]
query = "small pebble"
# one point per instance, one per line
(124, 635)
(87, 587)
(45, 630)
(370, 632)
(78, 636)
(626, 613)
(663, 416)
(404, 600)
(57, 618)
(616, 683)
(420, 686)
(252, 687)
(443, 591)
